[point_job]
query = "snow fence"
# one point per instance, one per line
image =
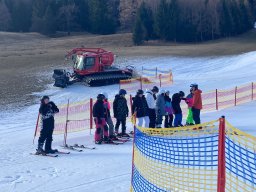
(213, 156)
(147, 79)
(75, 117)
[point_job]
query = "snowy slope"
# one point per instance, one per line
(108, 168)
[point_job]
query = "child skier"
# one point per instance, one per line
(100, 121)
(169, 110)
(189, 101)
(121, 112)
(47, 111)
(140, 109)
(160, 108)
(151, 100)
(108, 118)
(176, 99)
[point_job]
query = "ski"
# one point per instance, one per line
(68, 147)
(44, 154)
(124, 139)
(112, 143)
(83, 147)
(62, 152)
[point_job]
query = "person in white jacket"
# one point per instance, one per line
(151, 100)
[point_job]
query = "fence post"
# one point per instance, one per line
(160, 80)
(217, 104)
(131, 104)
(133, 145)
(66, 126)
(236, 96)
(140, 82)
(91, 117)
(37, 121)
(221, 156)
(252, 91)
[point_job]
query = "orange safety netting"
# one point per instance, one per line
(75, 117)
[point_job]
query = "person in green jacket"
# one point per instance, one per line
(189, 101)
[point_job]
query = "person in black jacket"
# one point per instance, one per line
(100, 121)
(121, 112)
(140, 109)
(176, 99)
(47, 110)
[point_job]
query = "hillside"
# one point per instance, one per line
(30, 57)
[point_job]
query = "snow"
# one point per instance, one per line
(108, 167)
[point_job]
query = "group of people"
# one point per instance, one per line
(149, 108)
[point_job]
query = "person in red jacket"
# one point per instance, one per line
(197, 103)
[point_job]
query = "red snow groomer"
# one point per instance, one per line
(92, 67)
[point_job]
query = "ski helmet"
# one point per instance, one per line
(194, 85)
(167, 92)
(155, 89)
(181, 93)
(122, 92)
(140, 91)
(105, 95)
(100, 96)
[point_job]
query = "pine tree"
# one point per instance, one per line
(38, 13)
(21, 16)
(49, 27)
(162, 19)
(138, 32)
(146, 16)
(5, 17)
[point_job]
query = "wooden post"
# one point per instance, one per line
(221, 156)
(160, 80)
(91, 116)
(37, 121)
(66, 126)
(252, 91)
(217, 104)
(236, 96)
(134, 132)
(131, 104)
(140, 82)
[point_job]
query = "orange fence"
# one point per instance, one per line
(148, 79)
(74, 117)
(222, 99)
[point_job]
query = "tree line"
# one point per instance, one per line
(193, 20)
(168, 20)
(49, 16)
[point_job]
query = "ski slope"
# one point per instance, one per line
(108, 167)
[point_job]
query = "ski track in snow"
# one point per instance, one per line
(108, 167)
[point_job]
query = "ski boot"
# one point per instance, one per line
(126, 135)
(107, 140)
(98, 142)
(51, 151)
(113, 138)
(40, 150)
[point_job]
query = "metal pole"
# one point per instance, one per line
(37, 121)
(221, 156)
(66, 126)
(217, 104)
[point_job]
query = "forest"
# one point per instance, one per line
(167, 20)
